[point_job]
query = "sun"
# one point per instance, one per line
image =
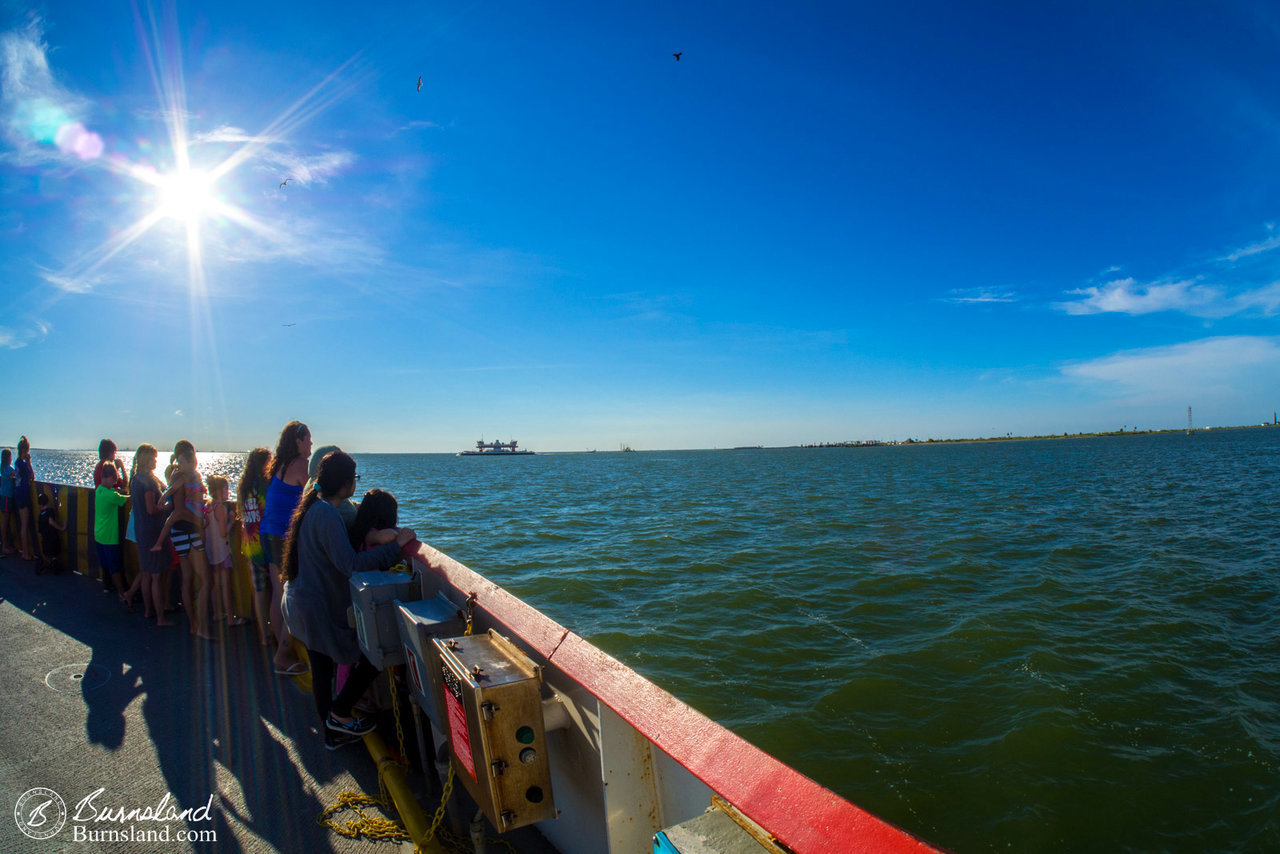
(186, 194)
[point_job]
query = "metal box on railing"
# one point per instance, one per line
(420, 622)
(373, 597)
(491, 701)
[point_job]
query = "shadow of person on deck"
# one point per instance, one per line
(224, 729)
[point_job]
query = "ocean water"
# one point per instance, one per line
(1048, 646)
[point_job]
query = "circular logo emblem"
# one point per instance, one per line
(40, 813)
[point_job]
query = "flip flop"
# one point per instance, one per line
(237, 621)
(295, 669)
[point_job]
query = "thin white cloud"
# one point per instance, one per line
(42, 120)
(979, 295)
(1253, 249)
(308, 168)
(1127, 296)
(274, 155)
(417, 124)
(73, 284)
(165, 114)
(1195, 369)
(14, 339)
(1264, 300)
(229, 133)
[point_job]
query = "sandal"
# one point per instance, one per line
(237, 621)
(295, 669)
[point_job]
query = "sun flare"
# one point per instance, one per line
(186, 194)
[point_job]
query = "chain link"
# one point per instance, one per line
(395, 707)
(373, 827)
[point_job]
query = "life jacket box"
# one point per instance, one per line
(491, 703)
(373, 598)
(419, 623)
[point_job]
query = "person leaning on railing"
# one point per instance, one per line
(318, 563)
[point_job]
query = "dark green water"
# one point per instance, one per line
(1052, 646)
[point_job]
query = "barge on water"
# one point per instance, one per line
(496, 449)
(559, 745)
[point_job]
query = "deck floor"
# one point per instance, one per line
(158, 712)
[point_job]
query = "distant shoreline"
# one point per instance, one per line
(867, 443)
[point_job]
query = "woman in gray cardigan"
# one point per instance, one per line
(318, 562)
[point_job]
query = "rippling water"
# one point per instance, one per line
(1033, 646)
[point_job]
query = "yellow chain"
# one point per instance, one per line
(395, 707)
(384, 829)
(371, 826)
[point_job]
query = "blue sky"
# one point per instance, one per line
(824, 222)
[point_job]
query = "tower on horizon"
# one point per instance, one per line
(1188, 420)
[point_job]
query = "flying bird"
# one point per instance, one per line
(288, 324)
(419, 84)
(285, 181)
(678, 55)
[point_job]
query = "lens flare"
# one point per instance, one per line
(186, 194)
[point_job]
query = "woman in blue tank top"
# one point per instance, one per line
(286, 475)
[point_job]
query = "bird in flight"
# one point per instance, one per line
(288, 324)
(678, 55)
(285, 181)
(419, 84)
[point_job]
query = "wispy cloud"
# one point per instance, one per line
(165, 114)
(980, 295)
(1128, 296)
(73, 284)
(1264, 300)
(275, 153)
(1180, 371)
(42, 120)
(13, 339)
(417, 124)
(229, 133)
(1258, 248)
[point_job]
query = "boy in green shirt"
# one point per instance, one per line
(107, 501)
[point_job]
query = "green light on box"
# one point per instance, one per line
(524, 735)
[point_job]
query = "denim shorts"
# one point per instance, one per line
(272, 548)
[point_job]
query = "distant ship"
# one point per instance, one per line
(495, 449)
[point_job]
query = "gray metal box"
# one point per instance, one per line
(373, 596)
(420, 622)
(491, 701)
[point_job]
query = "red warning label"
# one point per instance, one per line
(457, 721)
